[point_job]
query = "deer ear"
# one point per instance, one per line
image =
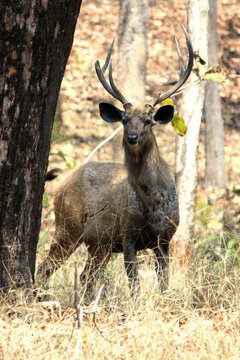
(164, 114)
(110, 113)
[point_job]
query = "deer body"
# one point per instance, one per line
(113, 207)
(104, 212)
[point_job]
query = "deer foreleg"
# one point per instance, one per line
(131, 265)
(161, 264)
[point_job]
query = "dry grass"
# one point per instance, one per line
(199, 320)
(150, 334)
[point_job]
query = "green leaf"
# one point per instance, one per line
(61, 154)
(68, 159)
(179, 125)
(69, 162)
(236, 189)
(204, 241)
(168, 101)
(214, 225)
(215, 74)
(45, 201)
(204, 211)
(199, 68)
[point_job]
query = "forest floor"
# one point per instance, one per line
(202, 321)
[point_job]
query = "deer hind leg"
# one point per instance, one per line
(95, 264)
(61, 248)
(162, 262)
(131, 266)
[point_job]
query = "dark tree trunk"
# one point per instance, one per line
(35, 42)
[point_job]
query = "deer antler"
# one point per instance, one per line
(185, 72)
(111, 89)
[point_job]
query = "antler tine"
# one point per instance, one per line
(120, 97)
(112, 90)
(183, 77)
(182, 66)
(108, 56)
(102, 79)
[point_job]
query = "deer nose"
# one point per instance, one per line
(132, 138)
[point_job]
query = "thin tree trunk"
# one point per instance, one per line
(214, 142)
(36, 39)
(132, 49)
(187, 146)
(132, 55)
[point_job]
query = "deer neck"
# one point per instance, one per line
(148, 173)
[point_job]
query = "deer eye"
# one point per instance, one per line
(124, 120)
(148, 121)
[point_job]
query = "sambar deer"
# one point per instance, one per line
(114, 207)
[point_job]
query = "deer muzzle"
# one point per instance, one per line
(132, 138)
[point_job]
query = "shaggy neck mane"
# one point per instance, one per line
(147, 171)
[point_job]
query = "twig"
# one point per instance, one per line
(187, 87)
(87, 159)
(79, 312)
(47, 214)
(78, 347)
(76, 302)
(100, 331)
(102, 143)
(94, 309)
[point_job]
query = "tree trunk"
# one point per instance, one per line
(132, 49)
(36, 39)
(132, 55)
(214, 143)
(186, 147)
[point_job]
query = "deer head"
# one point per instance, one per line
(138, 121)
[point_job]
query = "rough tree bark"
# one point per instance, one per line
(35, 42)
(214, 143)
(187, 146)
(132, 55)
